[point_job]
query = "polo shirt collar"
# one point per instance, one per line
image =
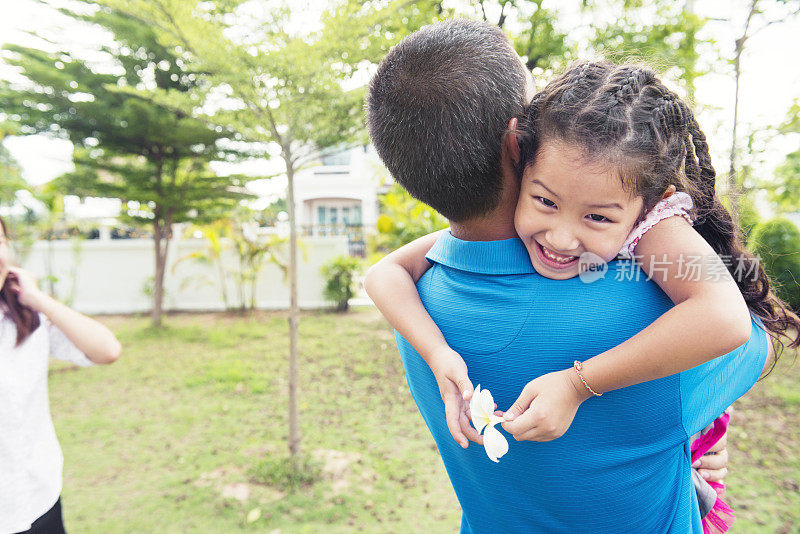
(507, 256)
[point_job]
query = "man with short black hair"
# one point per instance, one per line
(624, 463)
(437, 126)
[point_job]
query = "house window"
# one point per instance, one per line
(351, 215)
(327, 215)
(337, 158)
(345, 214)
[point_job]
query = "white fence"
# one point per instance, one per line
(111, 276)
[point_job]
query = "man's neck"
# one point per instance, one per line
(489, 228)
(497, 224)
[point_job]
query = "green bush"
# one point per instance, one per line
(340, 275)
(403, 219)
(748, 215)
(777, 242)
(288, 474)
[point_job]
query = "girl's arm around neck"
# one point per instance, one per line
(391, 284)
(709, 319)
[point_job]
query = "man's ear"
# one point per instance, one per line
(668, 193)
(511, 141)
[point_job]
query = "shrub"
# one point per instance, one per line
(403, 219)
(288, 474)
(340, 275)
(777, 242)
(748, 215)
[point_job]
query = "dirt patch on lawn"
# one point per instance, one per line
(339, 467)
(231, 483)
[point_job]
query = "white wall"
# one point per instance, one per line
(109, 275)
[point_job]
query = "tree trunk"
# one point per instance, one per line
(294, 319)
(688, 7)
(222, 279)
(161, 241)
(242, 283)
(731, 183)
(253, 287)
(160, 235)
(733, 187)
(51, 280)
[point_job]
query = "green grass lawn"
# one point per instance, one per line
(181, 434)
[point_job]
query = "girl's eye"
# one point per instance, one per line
(546, 201)
(598, 218)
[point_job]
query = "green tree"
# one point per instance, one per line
(127, 146)
(533, 29)
(11, 180)
(214, 234)
(269, 215)
(286, 87)
(663, 34)
(777, 242)
(784, 190)
(403, 219)
(254, 252)
(538, 41)
(749, 217)
(754, 23)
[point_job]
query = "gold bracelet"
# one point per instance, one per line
(578, 368)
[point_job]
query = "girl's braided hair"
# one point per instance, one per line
(625, 116)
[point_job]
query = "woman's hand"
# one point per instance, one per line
(24, 285)
(545, 409)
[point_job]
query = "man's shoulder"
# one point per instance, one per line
(502, 257)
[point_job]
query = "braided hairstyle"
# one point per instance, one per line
(25, 319)
(625, 116)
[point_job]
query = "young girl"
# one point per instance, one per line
(34, 327)
(610, 162)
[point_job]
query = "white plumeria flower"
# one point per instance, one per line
(481, 409)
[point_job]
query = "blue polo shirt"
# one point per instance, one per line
(623, 465)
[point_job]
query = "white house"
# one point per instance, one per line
(340, 195)
(342, 190)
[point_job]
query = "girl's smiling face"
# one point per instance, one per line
(568, 205)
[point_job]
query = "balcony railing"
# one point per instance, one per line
(354, 232)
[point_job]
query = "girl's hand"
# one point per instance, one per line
(545, 409)
(24, 285)
(456, 390)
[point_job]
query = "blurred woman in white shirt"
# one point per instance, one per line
(33, 327)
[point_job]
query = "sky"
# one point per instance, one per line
(769, 84)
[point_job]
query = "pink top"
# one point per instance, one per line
(678, 203)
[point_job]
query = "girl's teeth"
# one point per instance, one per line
(559, 258)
